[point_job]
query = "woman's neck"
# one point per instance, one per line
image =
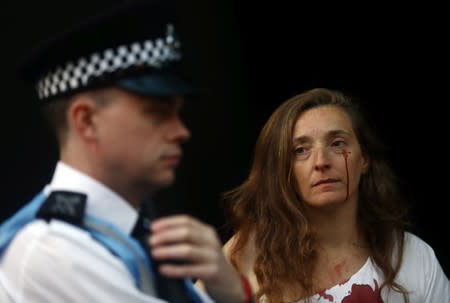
(336, 227)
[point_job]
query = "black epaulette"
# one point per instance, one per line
(64, 205)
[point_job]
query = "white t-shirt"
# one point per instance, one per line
(420, 273)
(59, 263)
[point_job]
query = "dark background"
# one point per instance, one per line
(247, 59)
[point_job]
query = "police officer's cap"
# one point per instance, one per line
(132, 45)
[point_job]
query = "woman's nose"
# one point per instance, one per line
(321, 158)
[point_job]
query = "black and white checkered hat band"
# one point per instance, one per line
(72, 76)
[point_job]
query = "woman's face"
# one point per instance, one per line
(328, 161)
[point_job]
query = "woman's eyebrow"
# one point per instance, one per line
(329, 134)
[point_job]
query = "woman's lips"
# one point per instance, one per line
(325, 181)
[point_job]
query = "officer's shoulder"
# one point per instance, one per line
(47, 232)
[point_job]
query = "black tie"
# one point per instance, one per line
(170, 289)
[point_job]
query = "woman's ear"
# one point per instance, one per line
(365, 163)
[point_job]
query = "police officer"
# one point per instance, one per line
(111, 90)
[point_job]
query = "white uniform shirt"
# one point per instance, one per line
(57, 262)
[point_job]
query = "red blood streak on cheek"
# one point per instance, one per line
(345, 155)
(363, 293)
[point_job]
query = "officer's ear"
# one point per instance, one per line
(81, 116)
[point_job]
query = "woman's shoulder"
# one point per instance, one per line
(416, 250)
(420, 270)
(245, 258)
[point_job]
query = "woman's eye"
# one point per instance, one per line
(299, 150)
(338, 143)
(302, 153)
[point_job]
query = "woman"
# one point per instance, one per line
(320, 218)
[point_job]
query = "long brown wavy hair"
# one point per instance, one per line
(267, 210)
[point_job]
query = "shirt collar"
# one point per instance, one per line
(102, 202)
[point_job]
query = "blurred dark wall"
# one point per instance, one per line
(247, 59)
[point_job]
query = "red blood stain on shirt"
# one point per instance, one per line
(363, 293)
(326, 296)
